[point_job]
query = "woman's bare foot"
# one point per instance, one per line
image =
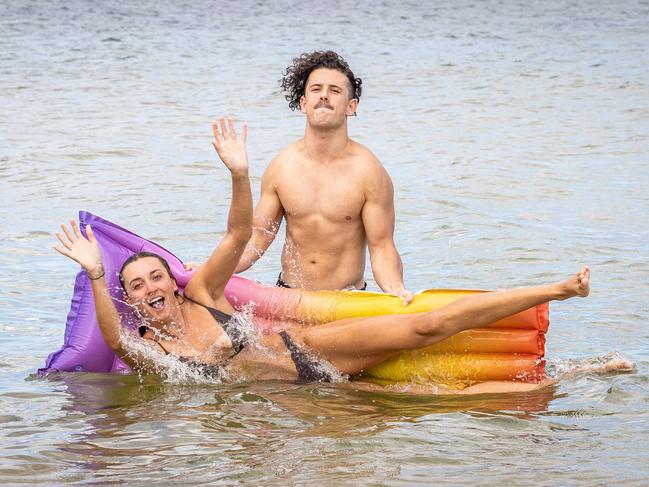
(577, 285)
(612, 362)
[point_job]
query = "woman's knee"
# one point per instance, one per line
(430, 324)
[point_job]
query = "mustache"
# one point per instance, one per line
(323, 104)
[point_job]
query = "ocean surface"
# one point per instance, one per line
(517, 137)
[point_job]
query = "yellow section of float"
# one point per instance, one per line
(326, 306)
(427, 366)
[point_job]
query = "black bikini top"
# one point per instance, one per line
(238, 339)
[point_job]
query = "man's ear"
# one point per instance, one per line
(352, 105)
(303, 104)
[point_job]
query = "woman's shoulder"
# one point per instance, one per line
(203, 300)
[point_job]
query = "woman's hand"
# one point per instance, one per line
(230, 149)
(80, 249)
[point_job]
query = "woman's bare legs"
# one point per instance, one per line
(353, 345)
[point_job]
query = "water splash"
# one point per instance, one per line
(268, 233)
(608, 363)
(291, 260)
(178, 370)
(169, 367)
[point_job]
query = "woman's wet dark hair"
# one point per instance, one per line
(294, 81)
(138, 256)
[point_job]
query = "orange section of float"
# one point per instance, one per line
(510, 349)
(492, 341)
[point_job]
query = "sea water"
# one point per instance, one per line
(516, 136)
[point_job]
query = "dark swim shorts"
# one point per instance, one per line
(281, 283)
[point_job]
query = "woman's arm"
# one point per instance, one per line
(211, 277)
(85, 251)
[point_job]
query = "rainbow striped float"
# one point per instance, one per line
(510, 349)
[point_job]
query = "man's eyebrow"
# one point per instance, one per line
(333, 85)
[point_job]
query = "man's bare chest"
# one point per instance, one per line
(336, 196)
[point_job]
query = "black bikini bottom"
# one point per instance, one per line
(213, 371)
(308, 370)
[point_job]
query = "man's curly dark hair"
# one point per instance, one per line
(294, 81)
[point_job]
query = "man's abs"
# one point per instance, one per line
(318, 263)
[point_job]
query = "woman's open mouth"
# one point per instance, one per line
(157, 302)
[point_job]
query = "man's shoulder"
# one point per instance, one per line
(281, 161)
(287, 154)
(366, 159)
(361, 150)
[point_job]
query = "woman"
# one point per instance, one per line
(197, 326)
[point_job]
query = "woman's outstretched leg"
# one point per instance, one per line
(482, 309)
(356, 344)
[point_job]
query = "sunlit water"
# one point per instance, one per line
(516, 135)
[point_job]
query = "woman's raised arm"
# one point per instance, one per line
(212, 276)
(85, 251)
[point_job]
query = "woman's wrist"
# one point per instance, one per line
(239, 173)
(96, 273)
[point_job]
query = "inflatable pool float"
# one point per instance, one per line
(510, 349)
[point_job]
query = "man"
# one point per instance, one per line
(333, 192)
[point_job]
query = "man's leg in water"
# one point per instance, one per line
(354, 345)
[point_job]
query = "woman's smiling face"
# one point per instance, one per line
(150, 288)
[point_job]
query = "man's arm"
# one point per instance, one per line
(265, 222)
(378, 220)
